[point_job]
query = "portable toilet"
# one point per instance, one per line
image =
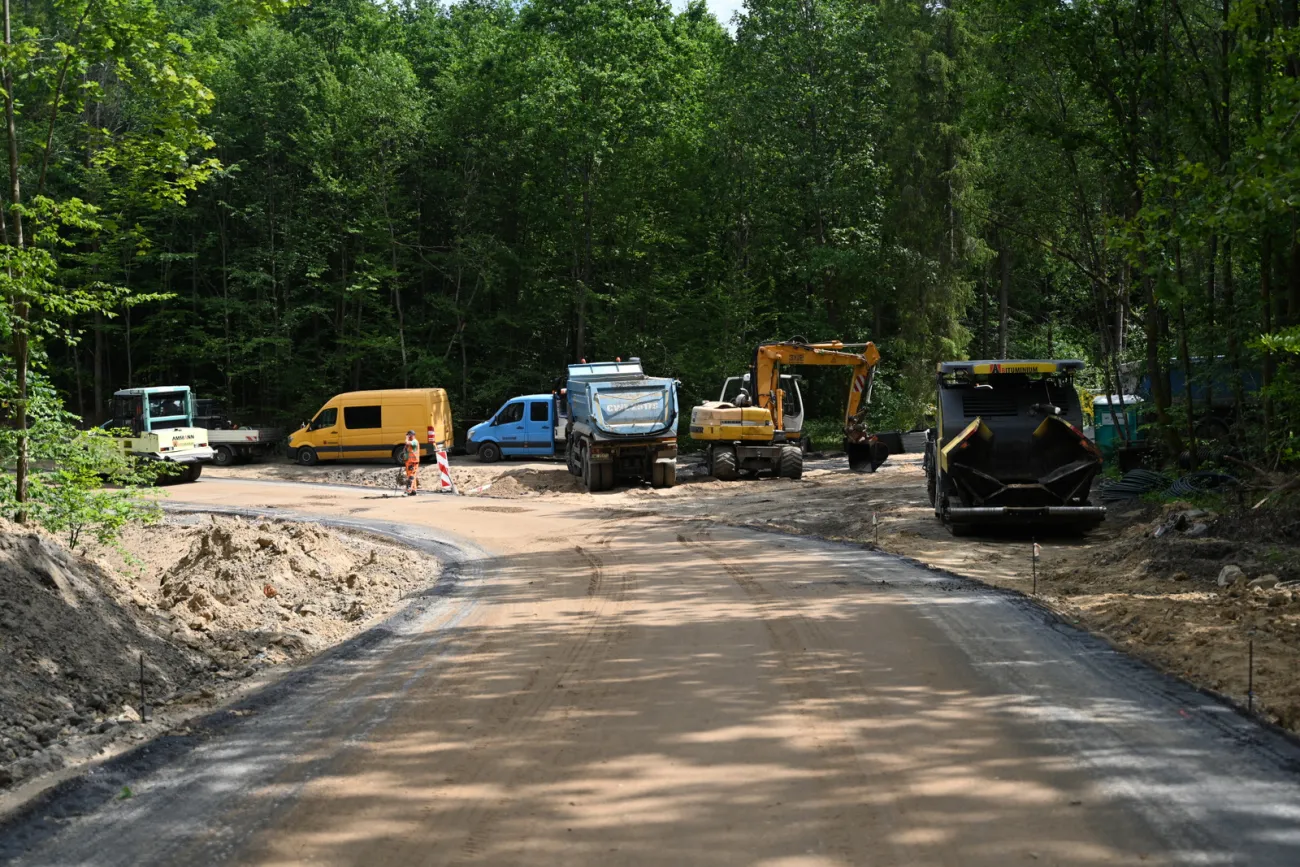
(1108, 413)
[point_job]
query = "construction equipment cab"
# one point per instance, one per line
(748, 433)
(1008, 447)
(373, 424)
(160, 422)
(792, 411)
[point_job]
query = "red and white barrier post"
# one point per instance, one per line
(445, 483)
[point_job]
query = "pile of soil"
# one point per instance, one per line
(70, 649)
(207, 605)
(507, 483)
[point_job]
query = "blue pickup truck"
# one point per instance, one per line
(610, 422)
(529, 426)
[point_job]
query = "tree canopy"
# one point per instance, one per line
(274, 202)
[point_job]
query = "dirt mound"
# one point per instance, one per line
(70, 649)
(244, 584)
(206, 604)
(508, 484)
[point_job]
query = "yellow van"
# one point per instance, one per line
(373, 424)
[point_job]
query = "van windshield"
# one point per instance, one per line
(325, 418)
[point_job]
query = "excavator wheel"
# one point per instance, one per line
(724, 464)
(791, 465)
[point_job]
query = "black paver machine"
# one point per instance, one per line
(1008, 447)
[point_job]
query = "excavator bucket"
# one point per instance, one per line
(866, 452)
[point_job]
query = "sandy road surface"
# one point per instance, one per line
(605, 689)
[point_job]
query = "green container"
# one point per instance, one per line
(1106, 429)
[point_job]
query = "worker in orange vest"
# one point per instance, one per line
(412, 463)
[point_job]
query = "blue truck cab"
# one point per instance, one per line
(528, 426)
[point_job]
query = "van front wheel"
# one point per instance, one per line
(307, 456)
(489, 453)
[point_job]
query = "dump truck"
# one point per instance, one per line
(748, 433)
(1008, 447)
(160, 422)
(622, 425)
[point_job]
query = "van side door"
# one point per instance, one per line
(538, 427)
(363, 432)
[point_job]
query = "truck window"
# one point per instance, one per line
(362, 417)
(539, 411)
(511, 413)
(325, 418)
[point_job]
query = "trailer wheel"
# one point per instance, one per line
(224, 456)
(489, 453)
(791, 463)
(724, 464)
(307, 456)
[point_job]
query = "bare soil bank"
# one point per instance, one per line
(206, 605)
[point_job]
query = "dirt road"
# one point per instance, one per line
(606, 688)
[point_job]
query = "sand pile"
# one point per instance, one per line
(207, 604)
(291, 586)
(508, 484)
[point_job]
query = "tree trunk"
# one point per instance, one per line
(1004, 292)
(21, 309)
(98, 363)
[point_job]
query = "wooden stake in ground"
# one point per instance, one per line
(1036, 554)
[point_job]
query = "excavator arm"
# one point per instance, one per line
(769, 358)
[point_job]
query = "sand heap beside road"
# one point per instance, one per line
(207, 604)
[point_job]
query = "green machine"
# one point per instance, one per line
(161, 425)
(1108, 414)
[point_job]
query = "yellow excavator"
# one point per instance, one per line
(746, 434)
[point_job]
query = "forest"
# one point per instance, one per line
(273, 201)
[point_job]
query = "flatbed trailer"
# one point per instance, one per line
(239, 445)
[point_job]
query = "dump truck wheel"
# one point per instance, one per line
(606, 473)
(489, 453)
(791, 466)
(670, 475)
(224, 457)
(961, 529)
(663, 475)
(929, 486)
(307, 456)
(724, 464)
